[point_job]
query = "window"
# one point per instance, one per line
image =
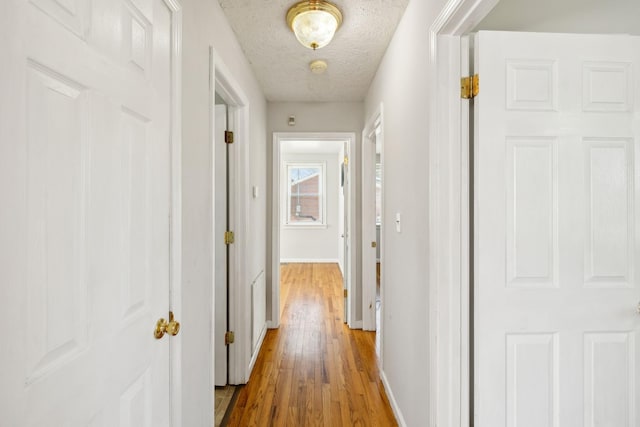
(305, 194)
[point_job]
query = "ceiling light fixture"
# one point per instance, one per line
(314, 22)
(318, 66)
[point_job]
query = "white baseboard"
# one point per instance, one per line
(392, 400)
(356, 325)
(309, 260)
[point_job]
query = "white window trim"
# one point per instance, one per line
(322, 165)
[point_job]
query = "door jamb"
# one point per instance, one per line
(239, 297)
(350, 205)
(449, 218)
(175, 222)
(368, 290)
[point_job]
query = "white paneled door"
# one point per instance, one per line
(557, 223)
(85, 182)
(369, 239)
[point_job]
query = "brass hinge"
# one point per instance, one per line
(374, 244)
(345, 293)
(229, 237)
(228, 137)
(229, 337)
(469, 87)
(346, 161)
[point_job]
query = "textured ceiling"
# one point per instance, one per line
(281, 64)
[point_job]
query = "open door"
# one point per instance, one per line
(556, 242)
(221, 197)
(346, 194)
(88, 218)
(369, 230)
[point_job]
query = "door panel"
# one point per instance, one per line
(86, 171)
(609, 361)
(556, 250)
(609, 241)
(56, 240)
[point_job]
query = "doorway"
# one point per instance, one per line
(372, 225)
(313, 201)
(222, 240)
(229, 101)
(554, 218)
(454, 306)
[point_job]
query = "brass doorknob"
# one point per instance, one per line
(171, 327)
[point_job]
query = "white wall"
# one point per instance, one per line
(204, 25)
(566, 16)
(402, 85)
(315, 117)
(304, 244)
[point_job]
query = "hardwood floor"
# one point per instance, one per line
(314, 370)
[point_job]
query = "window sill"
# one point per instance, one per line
(304, 226)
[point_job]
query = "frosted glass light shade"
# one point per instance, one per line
(314, 22)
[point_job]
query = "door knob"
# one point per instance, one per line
(171, 327)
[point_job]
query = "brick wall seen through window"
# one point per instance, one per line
(305, 199)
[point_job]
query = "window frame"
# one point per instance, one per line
(322, 194)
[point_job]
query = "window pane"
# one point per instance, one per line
(304, 194)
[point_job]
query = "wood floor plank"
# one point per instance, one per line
(314, 370)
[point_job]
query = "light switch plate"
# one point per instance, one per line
(398, 221)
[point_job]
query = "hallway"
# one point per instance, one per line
(314, 370)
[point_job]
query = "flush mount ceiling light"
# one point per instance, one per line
(314, 22)
(318, 66)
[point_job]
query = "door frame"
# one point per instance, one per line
(369, 285)
(239, 295)
(450, 275)
(175, 222)
(350, 204)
